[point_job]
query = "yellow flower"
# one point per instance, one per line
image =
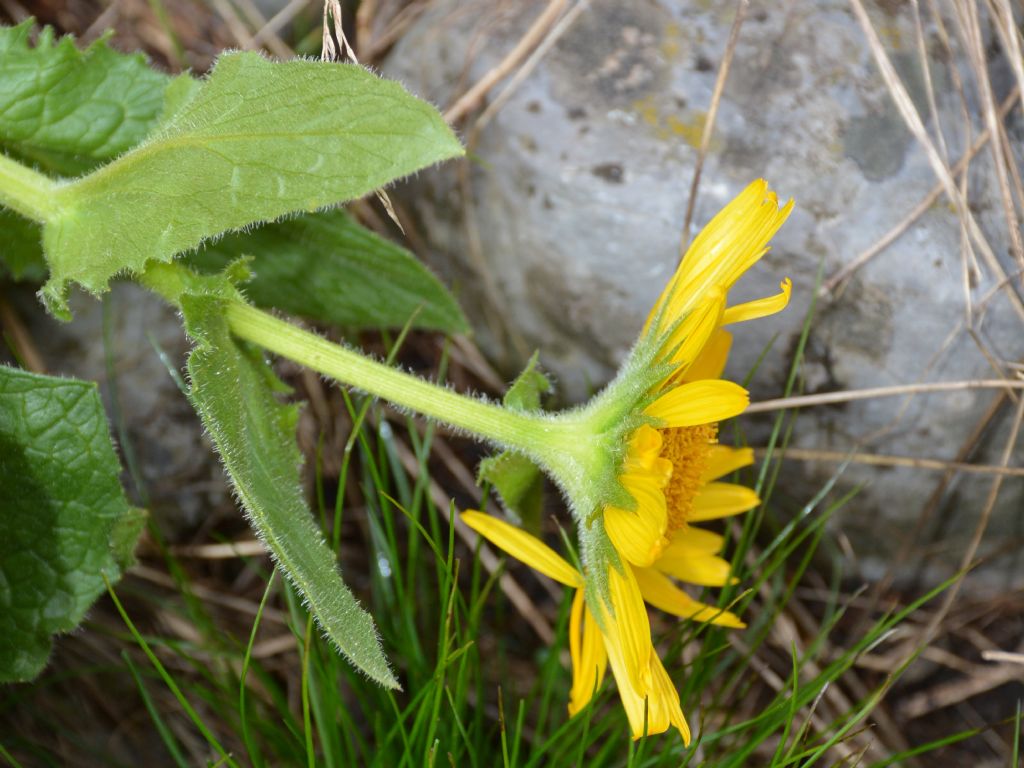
(640, 463)
(622, 638)
(671, 469)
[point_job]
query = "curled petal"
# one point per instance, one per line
(522, 546)
(752, 310)
(728, 246)
(645, 445)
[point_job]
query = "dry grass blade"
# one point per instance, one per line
(471, 99)
(833, 283)
(929, 632)
(908, 111)
(879, 460)
(849, 395)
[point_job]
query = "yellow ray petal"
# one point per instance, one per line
(634, 535)
(522, 546)
(688, 339)
(645, 445)
(638, 535)
(662, 706)
(705, 570)
(752, 310)
(663, 700)
(589, 658)
(724, 460)
(699, 402)
(727, 247)
(711, 362)
(717, 500)
(659, 591)
(689, 540)
(628, 629)
(632, 701)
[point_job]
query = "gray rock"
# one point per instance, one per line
(569, 224)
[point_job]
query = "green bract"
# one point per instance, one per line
(65, 524)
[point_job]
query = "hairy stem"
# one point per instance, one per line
(551, 441)
(26, 191)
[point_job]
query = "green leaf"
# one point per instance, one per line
(20, 250)
(256, 141)
(233, 389)
(67, 109)
(525, 392)
(328, 268)
(519, 481)
(65, 523)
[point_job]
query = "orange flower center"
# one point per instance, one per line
(688, 448)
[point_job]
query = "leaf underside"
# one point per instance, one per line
(233, 389)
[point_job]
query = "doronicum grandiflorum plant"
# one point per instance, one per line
(149, 177)
(638, 465)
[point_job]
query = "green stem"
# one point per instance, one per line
(26, 191)
(550, 440)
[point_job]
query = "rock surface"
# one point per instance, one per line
(565, 226)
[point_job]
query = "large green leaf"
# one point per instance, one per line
(64, 520)
(66, 109)
(256, 141)
(234, 391)
(327, 267)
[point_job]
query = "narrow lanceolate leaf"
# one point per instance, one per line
(65, 109)
(64, 520)
(327, 267)
(256, 141)
(233, 389)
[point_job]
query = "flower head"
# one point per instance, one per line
(642, 464)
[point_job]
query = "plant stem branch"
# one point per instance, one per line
(519, 431)
(28, 192)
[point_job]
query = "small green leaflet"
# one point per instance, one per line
(67, 109)
(256, 141)
(233, 389)
(327, 267)
(517, 479)
(65, 522)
